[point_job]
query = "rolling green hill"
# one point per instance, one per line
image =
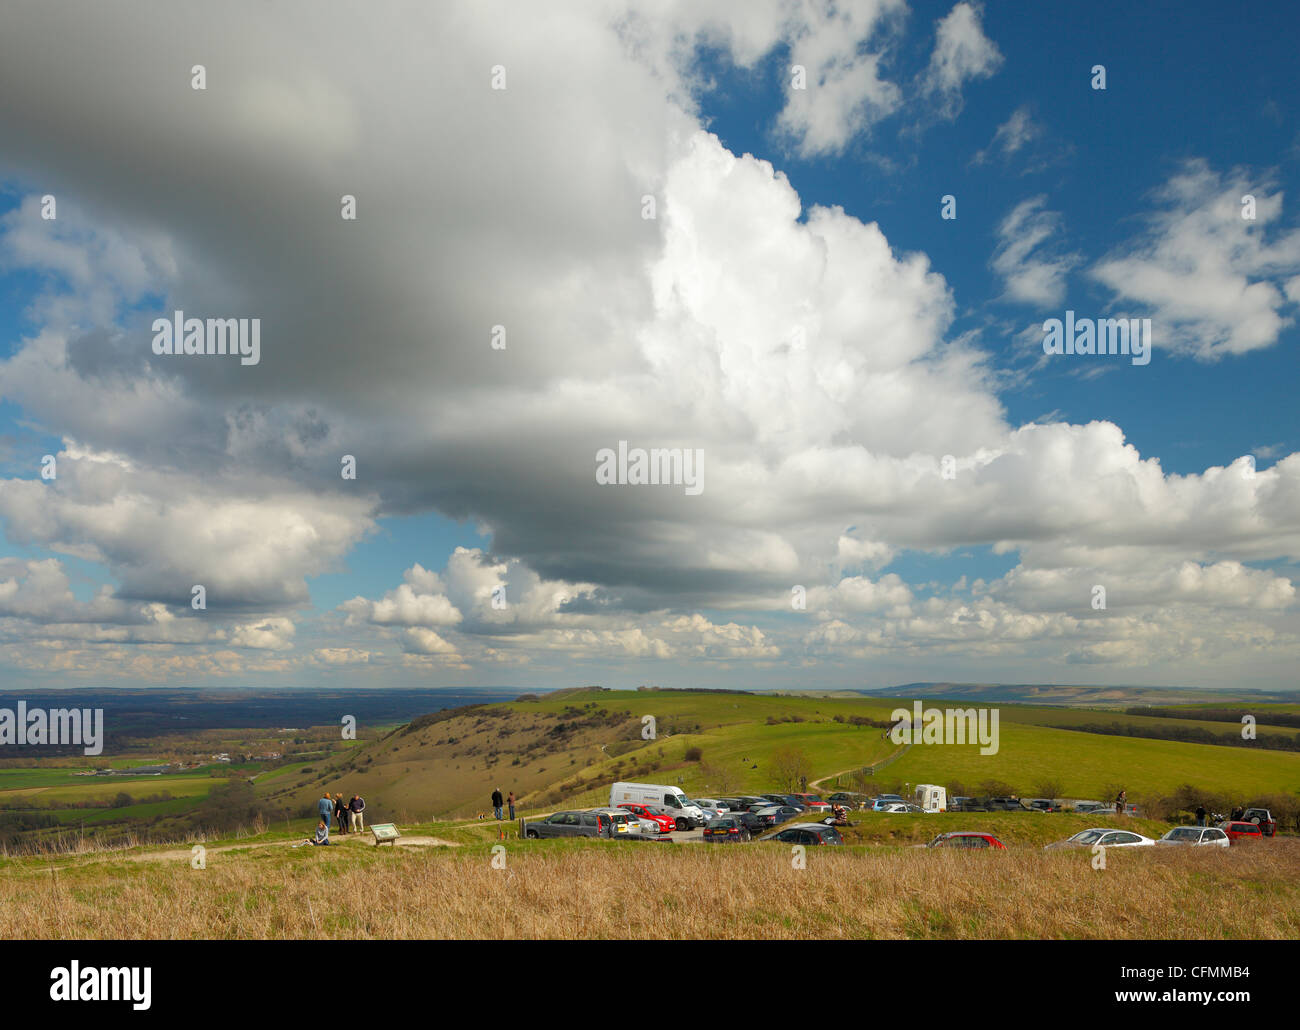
(568, 749)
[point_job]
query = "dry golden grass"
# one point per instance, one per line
(602, 890)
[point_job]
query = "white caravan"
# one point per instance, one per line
(670, 799)
(931, 798)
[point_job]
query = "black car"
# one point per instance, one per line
(847, 799)
(727, 828)
(774, 815)
(1006, 805)
(749, 820)
(962, 804)
(806, 833)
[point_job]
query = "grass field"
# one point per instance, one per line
(606, 890)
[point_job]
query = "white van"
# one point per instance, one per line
(931, 798)
(670, 799)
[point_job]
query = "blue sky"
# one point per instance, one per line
(474, 548)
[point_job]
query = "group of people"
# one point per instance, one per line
(498, 802)
(1237, 815)
(346, 814)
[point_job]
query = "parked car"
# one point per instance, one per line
(1006, 805)
(1196, 835)
(666, 823)
(711, 812)
(1091, 807)
(902, 807)
(811, 802)
(567, 824)
(964, 804)
(774, 815)
(750, 820)
(727, 828)
(617, 820)
(966, 839)
(878, 803)
(1263, 817)
(806, 833)
(717, 804)
(1044, 804)
(1103, 837)
(848, 799)
(1238, 830)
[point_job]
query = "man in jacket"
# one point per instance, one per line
(497, 803)
(356, 806)
(325, 808)
(341, 813)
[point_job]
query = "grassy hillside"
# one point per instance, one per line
(568, 749)
(1093, 766)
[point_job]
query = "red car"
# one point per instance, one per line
(665, 822)
(966, 839)
(812, 802)
(1235, 830)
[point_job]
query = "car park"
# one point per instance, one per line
(1197, 836)
(1104, 837)
(1238, 830)
(567, 824)
(666, 823)
(806, 833)
(1263, 818)
(727, 828)
(966, 839)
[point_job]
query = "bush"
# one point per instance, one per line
(694, 754)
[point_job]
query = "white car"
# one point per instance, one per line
(1201, 836)
(712, 803)
(902, 806)
(1105, 837)
(709, 808)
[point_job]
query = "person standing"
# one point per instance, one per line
(357, 806)
(510, 801)
(1200, 815)
(325, 808)
(341, 813)
(1120, 802)
(496, 803)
